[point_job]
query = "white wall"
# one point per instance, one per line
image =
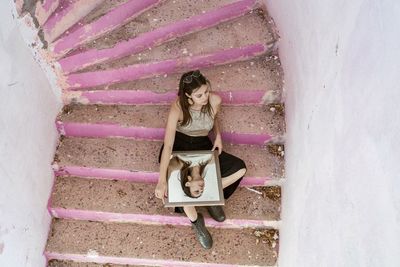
(28, 107)
(341, 200)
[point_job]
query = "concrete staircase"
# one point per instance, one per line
(119, 63)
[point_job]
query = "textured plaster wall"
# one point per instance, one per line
(341, 200)
(28, 107)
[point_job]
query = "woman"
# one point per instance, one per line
(191, 117)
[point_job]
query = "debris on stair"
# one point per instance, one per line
(267, 236)
(277, 149)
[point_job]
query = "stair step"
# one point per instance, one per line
(66, 15)
(44, 9)
(138, 159)
(114, 18)
(239, 124)
(112, 46)
(167, 13)
(146, 70)
(246, 82)
(123, 243)
(243, 31)
(125, 200)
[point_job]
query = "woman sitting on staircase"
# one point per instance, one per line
(191, 117)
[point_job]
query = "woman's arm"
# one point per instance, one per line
(216, 104)
(174, 164)
(173, 117)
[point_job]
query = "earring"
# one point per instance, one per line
(190, 101)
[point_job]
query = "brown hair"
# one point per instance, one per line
(195, 83)
(186, 170)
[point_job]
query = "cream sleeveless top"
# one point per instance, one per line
(200, 125)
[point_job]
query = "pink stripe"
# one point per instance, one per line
(131, 261)
(149, 218)
(115, 130)
(129, 97)
(135, 176)
(110, 130)
(157, 36)
(140, 71)
(242, 96)
(116, 17)
(48, 4)
(63, 8)
(245, 138)
(45, 9)
(113, 174)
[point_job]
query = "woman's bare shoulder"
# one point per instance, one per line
(215, 101)
(175, 106)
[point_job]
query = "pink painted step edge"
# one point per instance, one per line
(138, 97)
(131, 261)
(141, 71)
(44, 10)
(115, 130)
(66, 15)
(108, 22)
(134, 176)
(67, 213)
(156, 37)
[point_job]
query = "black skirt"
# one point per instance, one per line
(229, 164)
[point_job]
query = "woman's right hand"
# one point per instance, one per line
(161, 191)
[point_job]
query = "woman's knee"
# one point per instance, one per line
(241, 172)
(241, 164)
(190, 212)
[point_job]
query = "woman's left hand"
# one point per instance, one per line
(217, 144)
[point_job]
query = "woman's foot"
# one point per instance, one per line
(217, 213)
(202, 233)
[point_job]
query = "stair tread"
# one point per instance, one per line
(138, 198)
(261, 73)
(161, 242)
(161, 15)
(237, 33)
(232, 119)
(142, 155)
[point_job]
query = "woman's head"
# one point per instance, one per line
(194, 89)
(192, 179)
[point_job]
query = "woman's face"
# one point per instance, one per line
(196, 182)
(200, 95)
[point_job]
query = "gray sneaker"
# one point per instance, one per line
(202, 233)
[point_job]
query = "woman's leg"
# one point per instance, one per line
(227, 181)
(232, 171)
(199, 227)
(191, 213)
